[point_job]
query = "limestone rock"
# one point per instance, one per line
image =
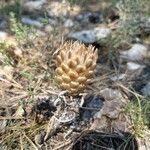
(90, 36)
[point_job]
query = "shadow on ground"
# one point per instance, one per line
(102, 141)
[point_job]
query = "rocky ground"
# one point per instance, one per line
(112, 112)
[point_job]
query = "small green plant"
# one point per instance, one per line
(138, 110)
(28, 75)
(45, 20)
(23, 33)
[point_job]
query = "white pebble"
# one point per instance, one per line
(3, 35)
(134, 66)
(136, 53)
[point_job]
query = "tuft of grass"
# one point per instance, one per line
(139, 110)
(19, 134)
(131, 15)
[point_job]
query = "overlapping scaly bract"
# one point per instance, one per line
(75, 66)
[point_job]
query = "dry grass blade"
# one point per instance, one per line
(30, 141)
(127, 89)
(63, 145)
(21, 142)
(10, 118)
(13, 83)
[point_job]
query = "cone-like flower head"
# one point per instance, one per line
(75, 66)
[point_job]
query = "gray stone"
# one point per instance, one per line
(146, 89)
(90, 36)
(90, 17)
(32, 22)
(111, 94)
(113, 104)
(112, 109)
(134, 69)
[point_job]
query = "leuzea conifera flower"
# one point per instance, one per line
(75, 64)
